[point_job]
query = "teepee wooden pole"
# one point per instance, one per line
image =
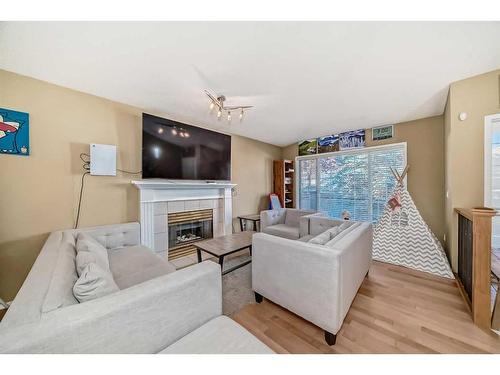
(395, 174)
(405, 171)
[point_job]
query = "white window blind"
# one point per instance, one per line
(359, 181)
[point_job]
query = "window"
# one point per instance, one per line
(359, 181)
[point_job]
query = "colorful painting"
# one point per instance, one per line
(14, 132)
(382, 132)
(352, 139)
(308, 147)
(329, 143)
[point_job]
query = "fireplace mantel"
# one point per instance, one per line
(162, 184)
(154, 198)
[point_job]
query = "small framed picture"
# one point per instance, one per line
(308, 147)
(382, 132)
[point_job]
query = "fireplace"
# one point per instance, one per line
(186, 228)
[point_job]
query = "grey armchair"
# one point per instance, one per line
(288, 223)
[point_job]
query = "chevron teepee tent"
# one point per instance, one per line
(402, 237)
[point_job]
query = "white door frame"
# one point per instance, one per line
(488, 122)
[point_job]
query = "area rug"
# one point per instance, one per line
(237, 286)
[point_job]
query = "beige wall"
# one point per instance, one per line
(252, 170)
(425, 149)
(477, 96)
(38, 194)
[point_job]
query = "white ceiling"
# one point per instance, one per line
(305, 79)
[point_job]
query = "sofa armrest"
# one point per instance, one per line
(304, 223)
(271, 217)
(145, 318)
(355, 258)
(301, 277)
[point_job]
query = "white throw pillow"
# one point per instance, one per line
(85, 242)
(326, 236)
(320, 239)
(84, 258)
(94, 282)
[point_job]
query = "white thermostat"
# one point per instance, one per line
(102, 160)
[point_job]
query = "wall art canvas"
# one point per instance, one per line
(14, 132)
(329, 143)
(352, 139)
(308, 147)
(382, 132)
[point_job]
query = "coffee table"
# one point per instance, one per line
(222, 246)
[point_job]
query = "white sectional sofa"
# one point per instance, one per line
(317, 281)
(156, 309)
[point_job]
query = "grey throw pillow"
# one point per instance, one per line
(320, 239)
(326, 236)
(84, 258)
(94, 282)
(85, 242)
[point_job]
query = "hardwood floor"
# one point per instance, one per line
(396, 310)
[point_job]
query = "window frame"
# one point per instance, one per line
(359, 150)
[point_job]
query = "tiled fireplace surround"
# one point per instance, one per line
(159, 198)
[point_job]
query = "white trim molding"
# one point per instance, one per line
(154, 198)
(488, 124)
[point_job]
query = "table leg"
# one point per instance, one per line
(255, 225)
(198, 252)
(241, 224)
(221, 263)
(250, 248)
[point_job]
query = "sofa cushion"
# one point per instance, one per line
(321, 238)
(133, 265)
(64, 276)
(221, 335)
(94, 282)
(326, 236)
(306, 238)
(349, 227)
(292, 217)
(85, 242)
(283, 230)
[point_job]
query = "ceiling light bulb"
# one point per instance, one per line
(174, 131)
(181, 134)
(160, 130)
(212, 106)
(187, 135)
(241, 115)
(219, 114)
(229, 116)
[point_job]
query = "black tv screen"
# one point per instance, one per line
(173, 150)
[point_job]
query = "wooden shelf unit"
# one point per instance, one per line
(284, 180)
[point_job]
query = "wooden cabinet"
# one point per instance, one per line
(284, 180)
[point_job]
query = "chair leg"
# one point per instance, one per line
(330, 338)
(258, 297)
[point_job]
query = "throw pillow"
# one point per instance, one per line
(321, 239)
(326, 236)
(83, 258)
(94, 283)
(85, 242)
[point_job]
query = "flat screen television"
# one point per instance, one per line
(177, 151)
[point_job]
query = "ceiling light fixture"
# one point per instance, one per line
(218, 101)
